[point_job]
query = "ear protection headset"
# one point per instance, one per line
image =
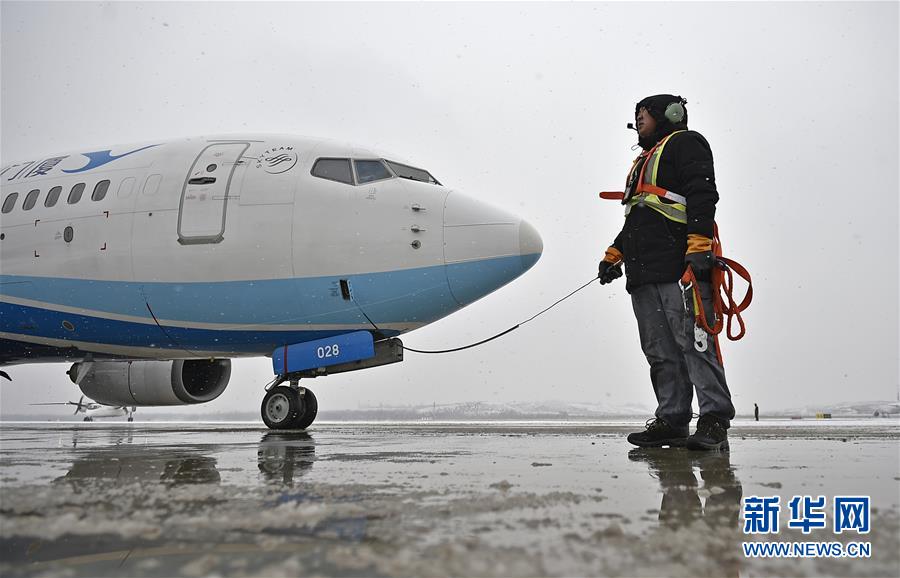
(675, 111)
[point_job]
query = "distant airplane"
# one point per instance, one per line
(887, 409)
(872, 408)
(150, 266)
(92, 409)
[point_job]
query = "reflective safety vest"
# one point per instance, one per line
(642, 190)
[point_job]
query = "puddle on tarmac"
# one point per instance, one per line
(409, 500)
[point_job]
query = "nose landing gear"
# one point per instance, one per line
(289, 407)
(295, 407)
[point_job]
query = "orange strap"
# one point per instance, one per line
(641, 187)
(648, 188)
(722, 278)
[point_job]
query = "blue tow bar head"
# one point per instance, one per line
(323, 352)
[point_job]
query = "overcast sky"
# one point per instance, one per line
(524, 105)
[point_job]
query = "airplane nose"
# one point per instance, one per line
(531, 246)
(485, 247)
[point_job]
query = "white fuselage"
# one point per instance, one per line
(231, 246)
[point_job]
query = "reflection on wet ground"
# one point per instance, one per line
(520, 499)
(681, 503)
(283, 456)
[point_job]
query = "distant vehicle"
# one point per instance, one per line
(150, 266)
(95, 410)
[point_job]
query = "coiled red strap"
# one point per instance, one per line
(726, 309)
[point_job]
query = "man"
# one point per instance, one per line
(670, 204)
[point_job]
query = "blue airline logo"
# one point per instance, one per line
(100, 158)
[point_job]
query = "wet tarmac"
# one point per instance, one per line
(431, 499)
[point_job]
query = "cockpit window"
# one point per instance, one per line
(408, 172)
(333, 170)
(368, 171)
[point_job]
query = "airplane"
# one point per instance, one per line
(93, 410)
(887, 409)
(150, 266)
(874, 408)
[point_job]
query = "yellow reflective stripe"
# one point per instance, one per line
(656, 164)
(651, 199)
(676, 211)
(650, 171)
(662, 211)
(667, 212)
(657, 153)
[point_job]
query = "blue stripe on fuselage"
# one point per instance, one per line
(415, 296)
(28, 321)
(394, 296)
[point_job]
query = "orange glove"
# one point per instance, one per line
(613, 256)
(698, 244)
(609, 269)
(699, 256)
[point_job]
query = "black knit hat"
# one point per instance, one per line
(656, 105)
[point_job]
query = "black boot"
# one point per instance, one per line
(659, 433)
(710, 435)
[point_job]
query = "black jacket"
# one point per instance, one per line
(654, 246)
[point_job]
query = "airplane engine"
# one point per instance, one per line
(149, 383)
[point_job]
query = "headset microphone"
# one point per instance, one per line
(630, 126)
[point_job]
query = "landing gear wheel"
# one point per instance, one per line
(284, 408)
(88, 419)
(310, 409)
(280, 407)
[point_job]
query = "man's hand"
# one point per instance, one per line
(701, 263)
(610, 267)
(608, 272)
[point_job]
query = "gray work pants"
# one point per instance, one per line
(665, 320)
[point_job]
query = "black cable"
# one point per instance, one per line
(560, 301)
(465, 346)
(372, 323)
(166, 333)
(513, 328)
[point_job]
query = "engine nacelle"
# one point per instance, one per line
(147, 383)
